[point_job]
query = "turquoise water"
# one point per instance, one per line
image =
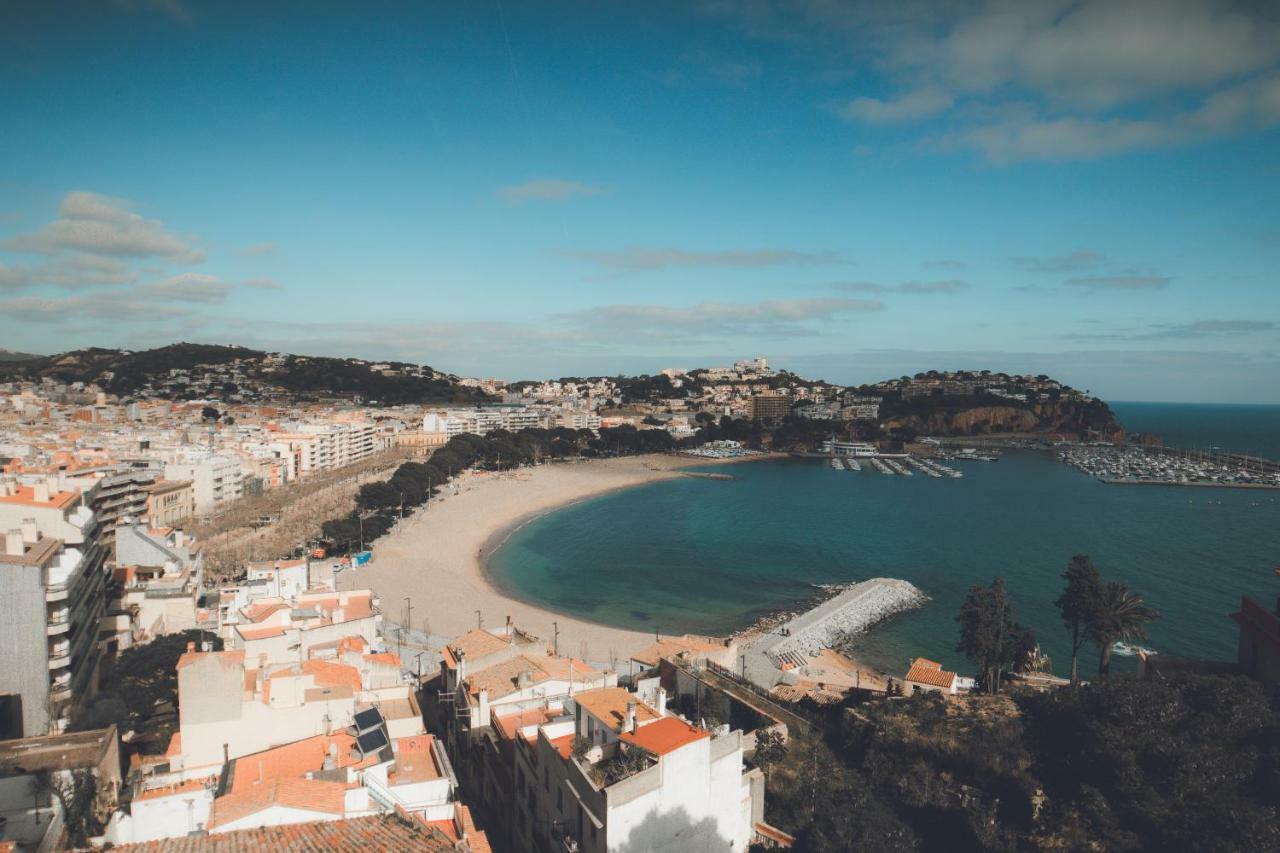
(1244, 429)
(710, 556)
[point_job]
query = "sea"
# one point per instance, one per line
(712, 556)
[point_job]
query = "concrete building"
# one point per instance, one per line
(927, 676)
(160, 572)
(276, 629)
(613, 773)
(52, 582)
(769, 405)
(215, 481)
(33, 816)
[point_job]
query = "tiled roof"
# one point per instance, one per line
(670, 647)
(509, 725)
(477, 643)
(609, 705)
(379, 832)
(228, 658)
(931, 673)
(293, 760)
(311, 795)
(666, 735)
(414, 761)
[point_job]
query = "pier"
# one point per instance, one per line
(852, 611)
(1164, 466)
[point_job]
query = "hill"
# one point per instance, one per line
(185, 371)
(10, 355)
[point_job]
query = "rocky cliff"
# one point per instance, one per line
(1070, 418)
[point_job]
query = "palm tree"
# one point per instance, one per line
(1120, 615)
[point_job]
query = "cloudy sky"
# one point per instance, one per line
(519, 189)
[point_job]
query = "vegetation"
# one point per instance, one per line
(990, 637)
(380, 504)
(1077, 605)
(77, 793)
(143, 688)
(1120, 615)
(1191, 763)
(627, 762)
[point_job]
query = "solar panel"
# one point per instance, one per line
(372, 741)
(369, 718)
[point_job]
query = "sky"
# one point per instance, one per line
(526, 190)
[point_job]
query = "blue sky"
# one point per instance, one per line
(1086, 189)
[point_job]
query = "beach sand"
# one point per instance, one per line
(435, 556)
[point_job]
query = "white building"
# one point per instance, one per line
(215, 480)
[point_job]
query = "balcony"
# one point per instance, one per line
(59, 654)
(58, 622)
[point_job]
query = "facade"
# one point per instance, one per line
(118, 498)
(215, 480)
(769, 405)
(420, 444)
(52, 581)
(170, 502)
(276, 629)
(161, 572)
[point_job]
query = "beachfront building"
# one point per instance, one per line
(928, 676)
(492, 682)
(769, 405)
(216, 480)
(613, 773)
(52, 582)
(170, 502)
(849, 448)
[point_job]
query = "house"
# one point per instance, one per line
(284, 629)
(927, 675)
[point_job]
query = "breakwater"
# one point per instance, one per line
(850, 612)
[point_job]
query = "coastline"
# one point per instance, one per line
(438, 557)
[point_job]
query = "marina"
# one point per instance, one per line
(1170, 467)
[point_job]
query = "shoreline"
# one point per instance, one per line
(436, 560)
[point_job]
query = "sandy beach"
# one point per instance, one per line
(435, 556)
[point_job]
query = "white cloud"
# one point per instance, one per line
(188, 287)
(912, 106)
(659, 257)
(546, 190)
(103, 225)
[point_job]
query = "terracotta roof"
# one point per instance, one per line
(230, 658)
(378, 832)
(260, 610)
(26, 496)
(665, 735)
(180, 788)
(312, 795)
(326, 673)
(564, 745)
(261, 633)
(931, 673)
(477, 643)
(293, 760)
(414, 761)
(670, 647)
(609, 705)
(509, 725)
(502, 679)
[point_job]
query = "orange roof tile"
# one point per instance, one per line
(665, 735)
(26, 496)
(293, 760)
(180, 788)
(931, 673)
(228, 658)
(312, 795)
(609, 705)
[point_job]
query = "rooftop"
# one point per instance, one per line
(665, 735)
(930, 672)
(609, 705)
(378, 832)
(55, 752)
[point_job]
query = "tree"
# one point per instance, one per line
(770, 749)
(989, 636)
(1077, 604)
(76, 792)
(1121, 616)
(209, 413)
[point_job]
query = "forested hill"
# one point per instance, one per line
(237, 374)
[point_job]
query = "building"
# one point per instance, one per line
(926, 676)
(52, 582)
(859, 449)
(613, 773)
(278, 629)
(769, 405)
(170, 502)
(32, 815)
(215, 481)
(1258, 653)
(378, 832)
(118, 498)
(420, 444)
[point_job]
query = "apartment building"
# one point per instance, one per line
(491, 676)
(769, 405)
(612, 772)
(278, 629)
(482, 421)
(52, 581)
(215, 480)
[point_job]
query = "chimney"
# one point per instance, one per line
(191, 647)
(630, 725)
(662, 702)
(13, 543)
(42, 492)
(462, 665)
(30, 533)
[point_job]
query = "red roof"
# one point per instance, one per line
(378, 832)
(931, 673)
(665, 735)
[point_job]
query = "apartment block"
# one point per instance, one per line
(52, 580)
